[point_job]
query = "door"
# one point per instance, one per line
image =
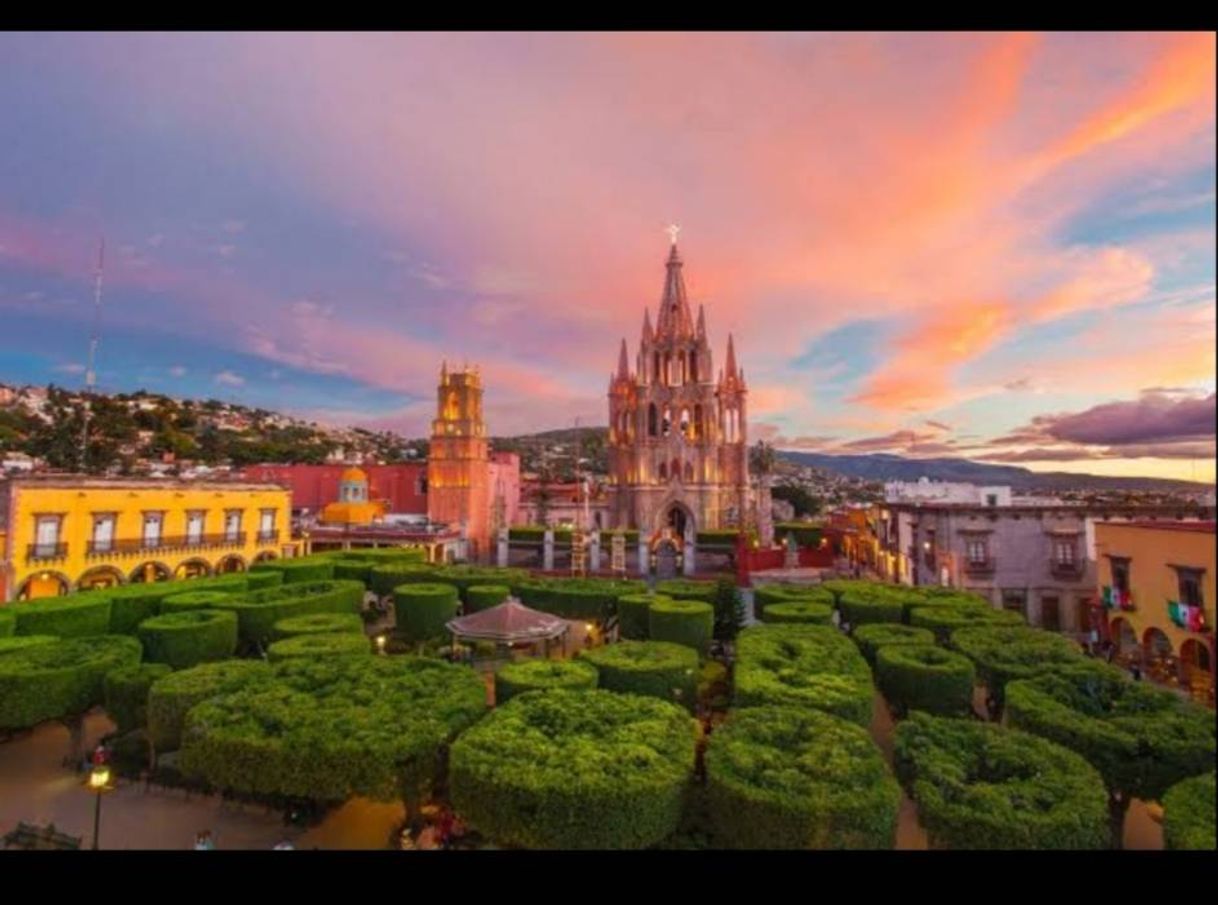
(1050, 614)
(232, 525)
(266, 527)
(103, 534)
(152, 530)
(194, 529)
(46, 541)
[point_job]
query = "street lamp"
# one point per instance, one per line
(99, 783)
(380, 644)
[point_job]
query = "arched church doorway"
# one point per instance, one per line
(677, 521)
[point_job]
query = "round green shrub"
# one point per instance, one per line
(126, 694)
(634, 615)
(50, 681)
(813, 612)
(480, 597)
(764, 595)
(71, 616)
(21, 642)
(790, 777)
(170, 698)
(8, 623)
(805, 666)
(982, 786)
(542, 675)
(688, 622)
(194, 600)
(943, 620)
(318, 567)
(685, 589)
(575, 770)
(1003, 653)
(258, 611)
(318, 624)
(1188, 814)
(1142, 739)
(334, 644)
(331, 728)
(925, 677)
(576, 598)
(658, 669)
(423, 610)
(189, 637)
(871, 638)
(858, 609)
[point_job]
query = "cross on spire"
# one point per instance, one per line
(672, 231)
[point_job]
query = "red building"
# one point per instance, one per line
(402, 486)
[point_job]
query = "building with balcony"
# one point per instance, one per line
(63, 533)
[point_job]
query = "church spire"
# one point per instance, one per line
(623, 368)
(648, 333)
(444, 372)
(730, 367)
(701, 330)
(674, 319)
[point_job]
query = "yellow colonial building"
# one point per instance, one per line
(1163, 572)
(66, 533)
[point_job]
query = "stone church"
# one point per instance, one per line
(678, 445)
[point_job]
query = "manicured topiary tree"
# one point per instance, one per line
(52, 681)
(730, 611)
(575, 770)
(333, 727)
(688, 622)
(811, 612)
(982, 786)
(925, 677)
(542, 675)
(871, 638)
(170, 698)
(422, 610)
(943, 620)
(1188, 814)
(1005, 653)
(792, 777)
(804, 666)
(189, 637)
(73, 616)
(8, 623)
(258, 611)
(195, 600)
(318, 624)
(764, 595)
(1142, 739)
(658, 669)
(126, 693)
(480, 597)
(319, 567)
(634, 615)
(333, 644)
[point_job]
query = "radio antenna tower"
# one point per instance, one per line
(90, 375)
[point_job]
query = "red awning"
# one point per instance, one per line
(509, 622)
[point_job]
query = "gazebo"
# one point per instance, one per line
(508, 624)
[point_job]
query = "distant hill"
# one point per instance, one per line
(887, 467)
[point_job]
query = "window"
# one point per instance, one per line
(232, 524)
(152, 529)
(1050, 614)
(46, 535)
(693, 366)
(194, 527)
(1120, 574)
(978, 552)
(1064, 551)
(266, 524)
(103, 532)
(1016, 600)
(666, 424)
(991, 499)
(652, 420)
(1190, 585)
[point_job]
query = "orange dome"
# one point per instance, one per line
(354, 474)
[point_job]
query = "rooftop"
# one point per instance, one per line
(1195, 527)
(91, 482)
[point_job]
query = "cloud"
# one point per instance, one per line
(177, 371)
(1154, 418)
(939, 425)
(228, 378)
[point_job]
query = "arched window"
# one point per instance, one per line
(689, 472)
(663, 471)
(656, 368)
(651, 420)
(684, 366)
(693, 366)
(667, 368)
(667, 424)
(685, 428)
(698, 421)
(676, 469)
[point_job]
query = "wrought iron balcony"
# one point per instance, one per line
(979, 566)
(1066, 570)
(46, 552)
(268, 537)
(135, 545)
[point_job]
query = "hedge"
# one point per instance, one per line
(8, 623)
(465, 577)
(190, 637)
(261, 579)
(21, 642)
(480, 597)
(684, 589)
(1142, 739)
(575, 770)
(981, 786)
(383, 579)
(331, 644)
(870, 638)
(72, 616)
(49, 681)
(805, 535)
(423, 610)
(658, 669)
(170, 698)
(944, 598)
(764, 595)
(688, 622)
(1003, 654)
(295, 570)
(576, 598)
(380, 555)
(863, 610)
(631, 535)
(318, 623)
(542, 675)
(533, 534)
(258, 611)
(125, 691)
(1188, 814)
(925, 677)
(131, 604)
(333, 727)
(720, 538)
(634, 615)
(194, 600)
(806, 666)
(791, 777)
(805, 611)
(353, 570)
(943, 620)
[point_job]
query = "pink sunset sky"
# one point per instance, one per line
(995, 246)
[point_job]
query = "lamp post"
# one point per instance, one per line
(99, 783)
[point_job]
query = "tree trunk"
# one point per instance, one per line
(1118, 805)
